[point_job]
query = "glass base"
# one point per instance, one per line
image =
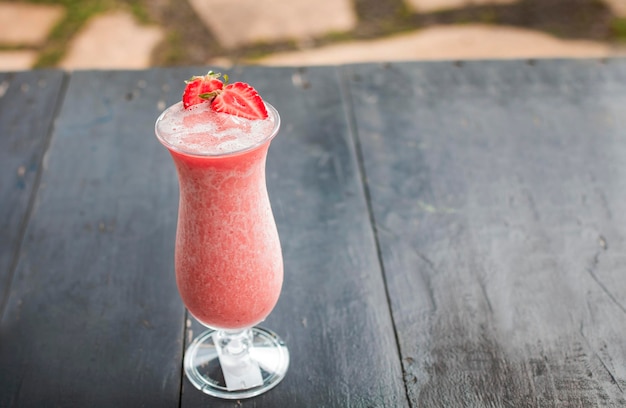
(236, 365)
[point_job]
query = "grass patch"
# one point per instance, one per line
(139, 11)
(338, 36)
(76, 15)
(488, 17)
(7, 47)
(262, 49)
(618, 29)
(173, 54)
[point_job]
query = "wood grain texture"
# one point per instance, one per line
(24, 96)
(93, 318)
(333, 312)
(498, 191)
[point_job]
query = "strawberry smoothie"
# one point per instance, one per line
(228, 258)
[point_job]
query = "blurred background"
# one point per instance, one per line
(84, 34)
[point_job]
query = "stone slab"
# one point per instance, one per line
(237, 23)
(27, 24)
(430, 6)
(474, 41)
(17, 60)
(112, 41)
(617, 7)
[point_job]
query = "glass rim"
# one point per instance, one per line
(271, 111)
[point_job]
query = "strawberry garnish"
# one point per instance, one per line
(239, 99)
(200, 85)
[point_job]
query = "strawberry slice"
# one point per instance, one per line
(239, 99)
(200, 85)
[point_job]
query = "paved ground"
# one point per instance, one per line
(24, 25)
(98, 44)
(468, 41)
(245, 22)
(288, 33)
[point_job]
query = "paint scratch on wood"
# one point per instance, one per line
(435, 210)
(596, 355)
(4, 85)
(592, 272)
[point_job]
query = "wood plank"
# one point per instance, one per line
(93, 318)
(24, 96)
(499, 196)
(333, 312)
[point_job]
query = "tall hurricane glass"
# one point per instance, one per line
(228, 260)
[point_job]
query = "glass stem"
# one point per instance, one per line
(233, 348)
(233, 344)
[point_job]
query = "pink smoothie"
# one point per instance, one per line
(228, 260)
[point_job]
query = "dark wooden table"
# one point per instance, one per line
(454, 235)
